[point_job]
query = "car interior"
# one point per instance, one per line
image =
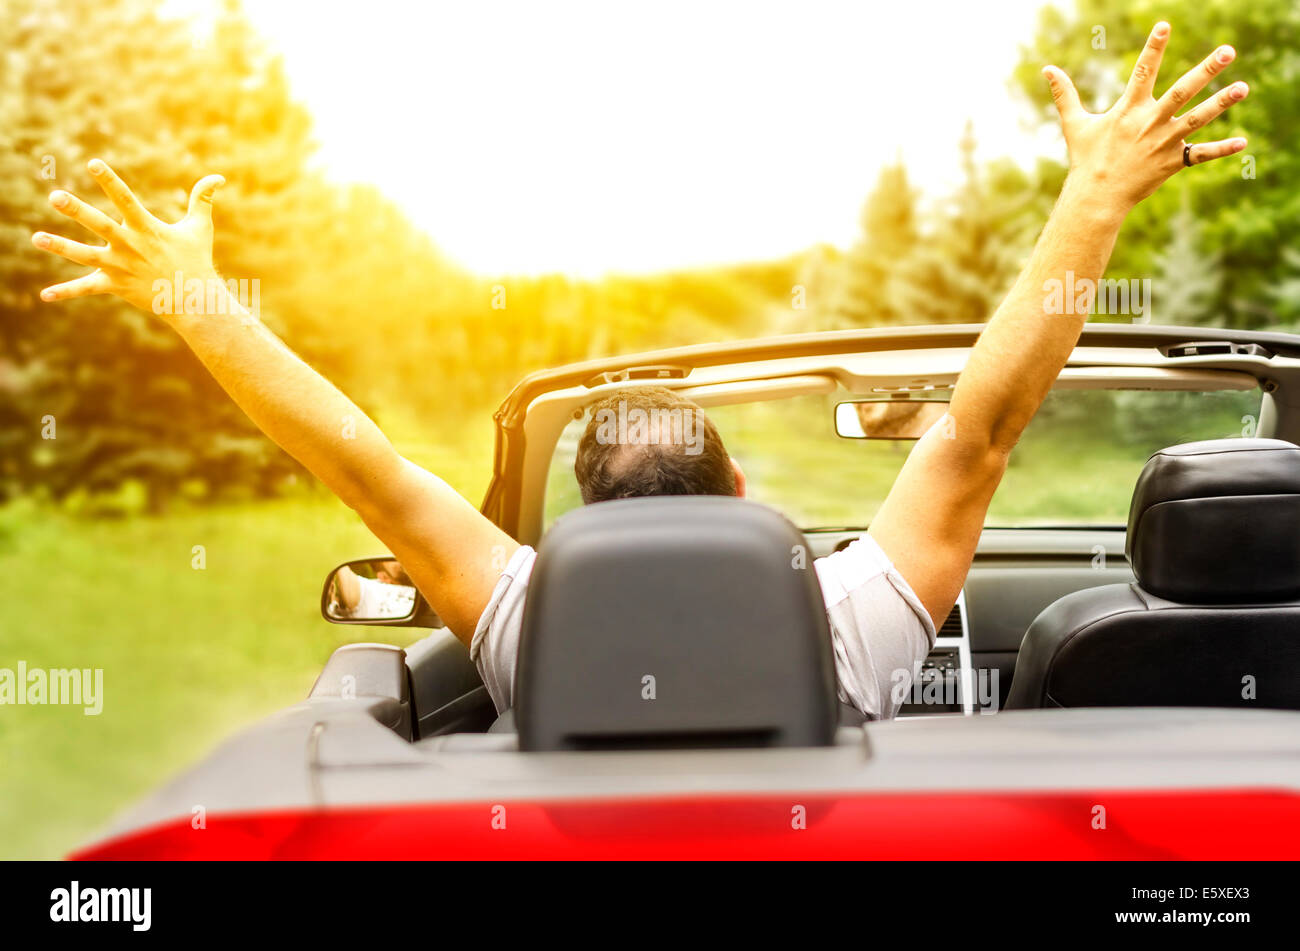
(1191, 603)
(1134, 590)
(1213, 545)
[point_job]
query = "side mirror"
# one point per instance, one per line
(888, 418)
(375, 591)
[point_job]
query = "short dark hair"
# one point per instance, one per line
(663, 464)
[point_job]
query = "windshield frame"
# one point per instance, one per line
(1074, 467)
(530, 420)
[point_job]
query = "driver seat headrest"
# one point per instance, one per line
(1218, 522)
(674, 622)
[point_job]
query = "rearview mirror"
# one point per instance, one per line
(375, 591)
(890, 418)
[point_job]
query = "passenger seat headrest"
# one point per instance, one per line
(1218, 522)
(674, 622)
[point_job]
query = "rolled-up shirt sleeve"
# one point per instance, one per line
(880, 631)
(494, 648)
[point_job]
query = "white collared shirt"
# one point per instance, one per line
(880, 632)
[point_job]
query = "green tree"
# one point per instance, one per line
(1284, 296)
(870, 293)
(129, 403)
(1248, 206)
(1188, 279)
(971, 250)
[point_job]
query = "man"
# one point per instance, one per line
(886, 594)
(389, 594)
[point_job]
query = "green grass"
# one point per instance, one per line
(189, 656)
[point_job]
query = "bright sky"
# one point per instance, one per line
(588, 137)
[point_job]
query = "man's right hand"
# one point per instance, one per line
(1127, 152)
(930, 523)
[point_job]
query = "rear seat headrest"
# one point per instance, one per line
(674, 622)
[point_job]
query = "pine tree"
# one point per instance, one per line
(129, 402)
(1284, 296)
(869, 286)
(970, 253)
(1188, 279)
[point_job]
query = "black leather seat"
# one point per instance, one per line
(1214, 616)
(674, 622)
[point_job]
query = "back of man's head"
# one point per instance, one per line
(647, 440)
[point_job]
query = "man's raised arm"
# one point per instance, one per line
(930, 523)
(451, 552)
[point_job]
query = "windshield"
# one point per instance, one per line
(1075, 465)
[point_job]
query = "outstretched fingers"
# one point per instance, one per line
(1064, 94)
(95, 283)
(202, 194)
(1203, 152)
(1143, 79)
(133, 213)
(74, 251)
(1195, 79)
(1212, 108)
(86, 215)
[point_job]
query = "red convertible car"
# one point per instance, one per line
(1119, 679)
